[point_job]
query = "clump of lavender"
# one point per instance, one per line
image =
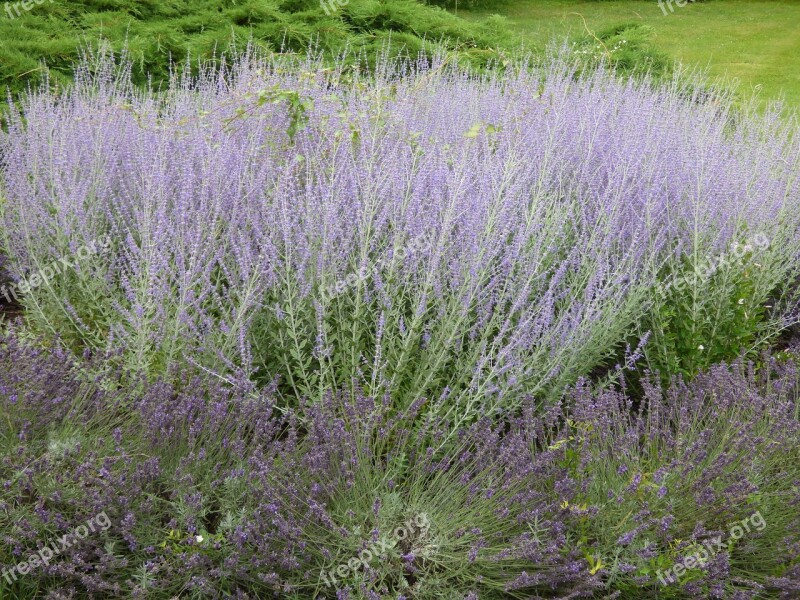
(671, 479)
(421, 231)
(487, 520)
(211, 491)
(165, 469)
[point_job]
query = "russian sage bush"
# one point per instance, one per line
(421, 231)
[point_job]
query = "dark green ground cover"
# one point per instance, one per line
(48, 38)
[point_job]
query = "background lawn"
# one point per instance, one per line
(756, 42)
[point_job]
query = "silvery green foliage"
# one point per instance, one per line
(484, 237)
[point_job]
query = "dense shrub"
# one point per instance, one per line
(685, 467)
(211, 492)
(45, 42)
(627, 48)
(465, 239)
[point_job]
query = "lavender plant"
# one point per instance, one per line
(673, 477)
(213, 492)
(492, 527)
(167, 469)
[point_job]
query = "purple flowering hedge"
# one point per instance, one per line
(292, 331)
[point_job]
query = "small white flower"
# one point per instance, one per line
(701, 347)
(199, 539)
(741, 300)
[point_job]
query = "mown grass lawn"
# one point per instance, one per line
(756, 42)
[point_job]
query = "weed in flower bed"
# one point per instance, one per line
(211, 492)
(423, 232)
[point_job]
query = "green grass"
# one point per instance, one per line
(754, 42)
